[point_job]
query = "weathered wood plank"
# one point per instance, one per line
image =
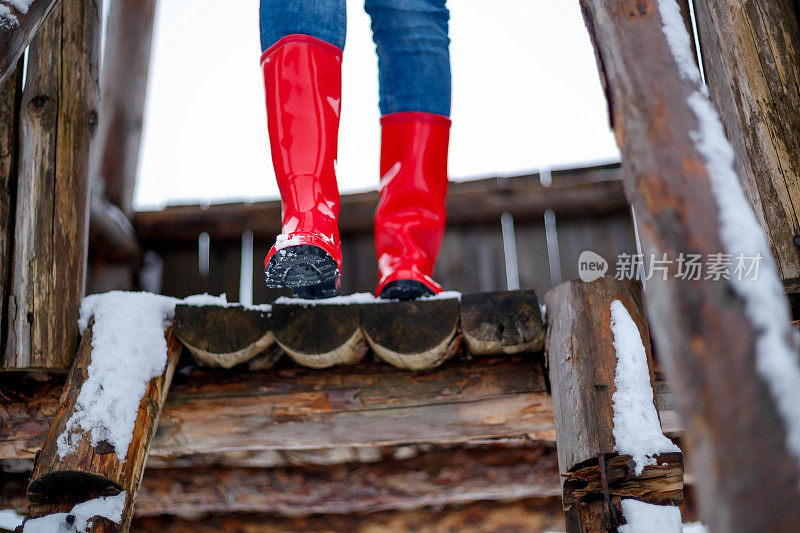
(582, 360)
(58, 119)
(10, 95)
(223, 336)
(94, 471)
(680, 181)
(416, 335)
(18, 30)
(111, 234)
(530, 516)
(751, 51)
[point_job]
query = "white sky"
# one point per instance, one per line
(525, 95)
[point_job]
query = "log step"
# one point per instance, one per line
(414, 335)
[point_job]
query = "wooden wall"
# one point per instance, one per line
(588, 205)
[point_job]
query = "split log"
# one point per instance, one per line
(582, 360)
(750, 52)
(10, 95)
(502, 322)
(319, 336)
(93, 471)
(531, 516)
(58, 119)
(709, 333)
(223, 336)
(416, 335)
(17, 30)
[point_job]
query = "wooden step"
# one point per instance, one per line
(415, 335)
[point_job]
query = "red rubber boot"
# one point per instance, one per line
(410, 219)
(302, 78)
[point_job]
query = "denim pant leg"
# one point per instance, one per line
(323, 19)
(413, 54)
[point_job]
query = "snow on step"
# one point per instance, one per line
(637, 431)
(110, 507)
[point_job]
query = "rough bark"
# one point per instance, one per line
(223, 336)
(751, 52)
(582, 360)
(705, 339)
(58, 119)
(93, 471)
(502, 322)
(416, 335)
(17, 33)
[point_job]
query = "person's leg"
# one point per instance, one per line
(301, 64)
(414, 62)
(323, 19)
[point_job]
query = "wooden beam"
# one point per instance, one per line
(126, 65)
(92, 471)
(533, 516)
(17, 32)
(416, 335)
(583, 192)
(111, 234)
(294, 409)
(58, 119)
(10, 96)
(582, 360)
(502, 322)
(750, 52)
(680, 180)
(223, 336)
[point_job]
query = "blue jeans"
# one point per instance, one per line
(410, 38)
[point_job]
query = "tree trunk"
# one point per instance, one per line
(58, 119)
(94, 471)
(717, 339)
(751, 52)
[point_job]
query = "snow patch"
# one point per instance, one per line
(694, 527)
(205, 299)
(644, 517)
(361, 298)
(776, 347)
(10, 519)
(637, 431)
(110, 507)
(7, 18)
(128, 350)
(20, 5)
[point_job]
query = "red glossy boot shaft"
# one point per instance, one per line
(410, 219)
(302, 80)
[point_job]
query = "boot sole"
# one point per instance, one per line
(308, 270)
(405, 289)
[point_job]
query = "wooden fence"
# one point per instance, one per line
(208, 249)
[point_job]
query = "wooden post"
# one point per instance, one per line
(750, 51)
(583, 361)
(89, 471)
(126, 65)
(710, 333)
(58, 119)
(10, 94)
(18, 30)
